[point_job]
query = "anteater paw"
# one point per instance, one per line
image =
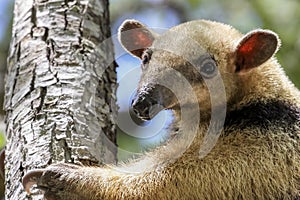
(58, 182)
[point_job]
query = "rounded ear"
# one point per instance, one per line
(255, 48)
(135, 37)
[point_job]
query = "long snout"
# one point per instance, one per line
(146, 107)
(152, 99)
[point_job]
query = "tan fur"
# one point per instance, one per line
(250, 164)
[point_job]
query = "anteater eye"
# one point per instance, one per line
(208, 69)
(146, 57)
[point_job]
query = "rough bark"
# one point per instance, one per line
(59, 92)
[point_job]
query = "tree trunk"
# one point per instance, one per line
(60, 88)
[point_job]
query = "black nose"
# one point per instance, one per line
(146, 108)
(141, 107)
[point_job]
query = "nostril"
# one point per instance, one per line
(145, 106)
(136, 118)
(135, 110)
(141, 109)
(145, 113)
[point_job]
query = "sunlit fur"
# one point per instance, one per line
(250, 163)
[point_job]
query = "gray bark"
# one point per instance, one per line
(60, 88)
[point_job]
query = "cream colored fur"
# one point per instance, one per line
(251, 164)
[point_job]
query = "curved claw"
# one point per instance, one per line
(31, 178)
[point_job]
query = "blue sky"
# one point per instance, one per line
(5, 14)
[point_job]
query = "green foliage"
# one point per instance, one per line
(194, 3)
(2, 140)
(283, 17)
(126, 144)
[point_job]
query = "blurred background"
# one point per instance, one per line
(281, 16)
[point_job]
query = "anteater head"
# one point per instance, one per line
(198, 52)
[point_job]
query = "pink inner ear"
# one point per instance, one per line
(247, 48)
(142, 39)
(255, 49)
(136, 40)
